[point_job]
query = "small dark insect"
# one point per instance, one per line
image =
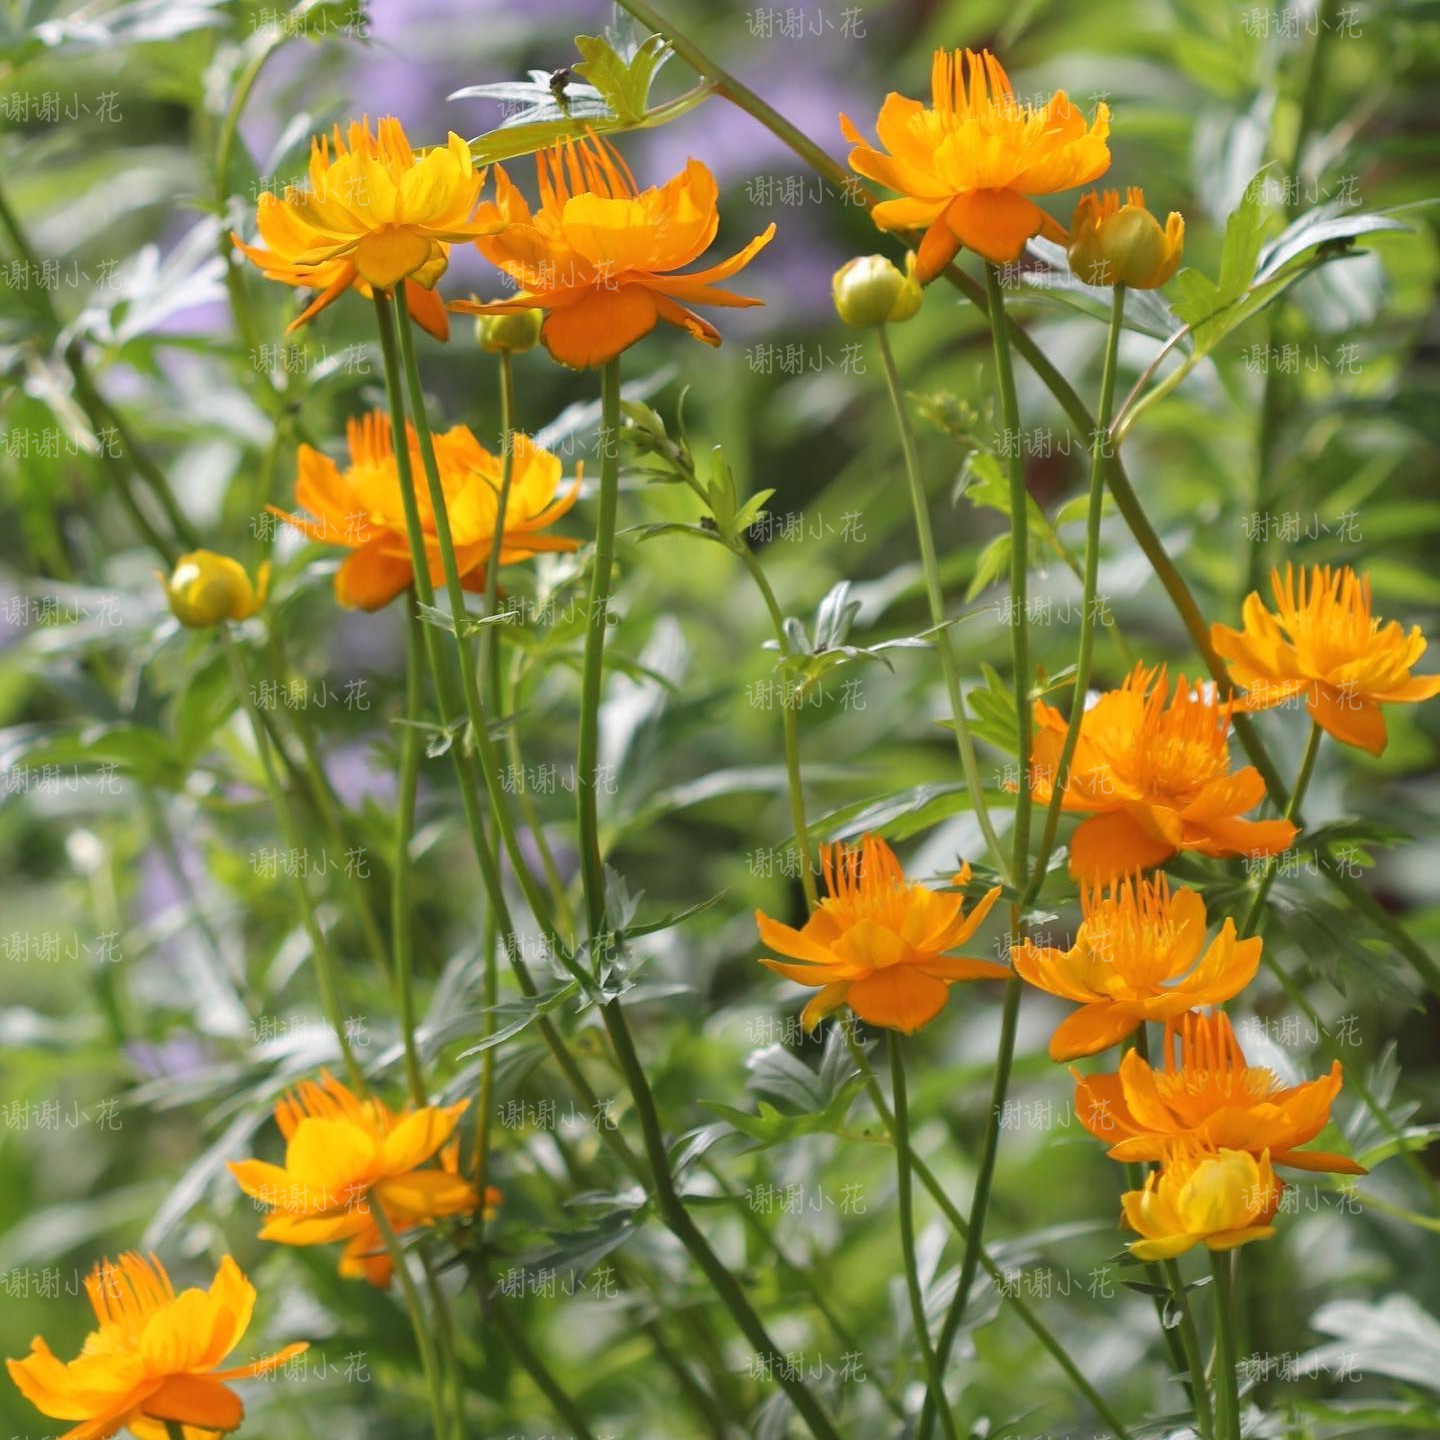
(707, 522)
(559, 79)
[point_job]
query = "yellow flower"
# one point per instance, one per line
(1222, 1198)
(1211, 1096)
(373, 214)
(343, 1154)
(598, 255)
(153, 1358)
(968, 163)
(1325, 644)
(362, 508)
(1134, 959)
(206, 588)
(1155, 778)
(1115, 244)
(878, 943)
(871, 290)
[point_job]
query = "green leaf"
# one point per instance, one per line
(622, 71)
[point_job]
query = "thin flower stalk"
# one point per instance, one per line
(1227, 1358)
(326, 969)
(948, 1208)
(903, 1169)
(671, 1207)
(1098, 449)
(402, 908)
(935, 594)
(486, 755)
(1020, 849)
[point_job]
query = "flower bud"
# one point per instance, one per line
(1115, 244)
(870, 290)
(515, 331)
(207, 588)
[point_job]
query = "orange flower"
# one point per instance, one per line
(1115, 244)
(598, 254)
(878, 943)
(154, 1357)
(1211, 1096)
(1155, 777)
(1324, 644)
(1134, 959)
(1219, 1198)
(968, 163)
(372, 215)
(343, 1153)
(362, 508)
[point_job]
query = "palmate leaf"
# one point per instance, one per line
(815, 1102)
(616, 71)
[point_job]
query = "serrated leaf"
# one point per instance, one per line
(623, 80)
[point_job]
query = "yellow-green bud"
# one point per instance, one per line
(515, 331)
(871, 290)
(207, 588)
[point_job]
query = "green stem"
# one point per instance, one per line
(490, 659)
(592, 864)
(1190, 1344)
(943, 640)
(326, 804)
(934, 1380)
(790, 728)
(484, 743)
(1019, 564)
(423, 1340)
(512, 1334)
(402, 934)
(484, 853)
(672, 1210)
(980, 1204)
(1292, 809)
(1227, 1393)
(224, 150)
(326, 971)
(1098, 448)
(447, 1357)
(1016, 1302)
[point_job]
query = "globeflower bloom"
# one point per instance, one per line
(154, 1357)
(1211, 1095)
(879, 943)
(1153, 770)
(968, 163)
(1218, 1198)
(1324, 643)
(345, 1153)
(206, 588)
(599, 255)
(372, 214)
(362, 508)
(1136, 957)
(1115, 244)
